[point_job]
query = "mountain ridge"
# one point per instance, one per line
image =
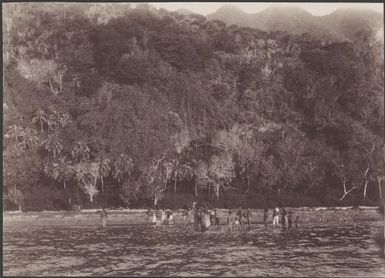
(340, 25)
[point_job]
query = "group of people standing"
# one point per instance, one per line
(160, 217)
(203, 218)
(238, 219)
(286, 219)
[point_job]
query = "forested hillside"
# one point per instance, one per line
(137, 107)
(344, 24)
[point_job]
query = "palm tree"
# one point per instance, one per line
(87, 173)
(29, 138)
(53, 145)
(40, 117)
(104, 170)
(58, 119)
(81, 151)
(64, 120)
(122, 167)
(61, 171)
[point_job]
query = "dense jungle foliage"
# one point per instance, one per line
(134, 107)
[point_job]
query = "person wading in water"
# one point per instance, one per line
(276, 217)
(231, 219)
(240, 218)
(283, 219)
(185, 216)
(246, 217)
(289, 220)
(265, 214)
(296, 222)
(103, 216)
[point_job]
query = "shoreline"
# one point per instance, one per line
(219, 209)
(307, 215)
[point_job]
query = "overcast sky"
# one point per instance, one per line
(314, 8)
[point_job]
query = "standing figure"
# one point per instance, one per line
(198, 219)
(216, 217)
(162, 216)
(231, 219)
(103, 216)
(276, 217)
(236, 223)
(148, 217)
(158, 218)
(154, 218)
(195, 216)
(265, 214)
(206, 221)
(296, 222)
(246, 217)
(185, 216)
(212, 216)
(167, 216)
(283, 219)
(171, 218)
(289, 221)
(240, 218)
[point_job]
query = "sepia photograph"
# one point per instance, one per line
(191, 139)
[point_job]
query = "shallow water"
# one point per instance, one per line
(132, 250)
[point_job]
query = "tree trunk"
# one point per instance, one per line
(216, 189)
(19, 208)
(366, 185)
(41, 125)
(195, 189)
(64, 185)
(77, 196)
(175, 180)
(51, 87)
(61, 81)
(156, 199)
(209, 189)
(104, 192)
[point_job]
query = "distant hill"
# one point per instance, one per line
(184, 12)
(341, 25)
(231, 14)
(350, 22)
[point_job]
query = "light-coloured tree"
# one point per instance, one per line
(41, 71)
(87, 174)
(41, 118)
(104, 170)
(53, 145)
(81, 151)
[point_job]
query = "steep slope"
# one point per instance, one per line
(261, 115)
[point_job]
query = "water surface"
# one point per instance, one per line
(132, 250)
